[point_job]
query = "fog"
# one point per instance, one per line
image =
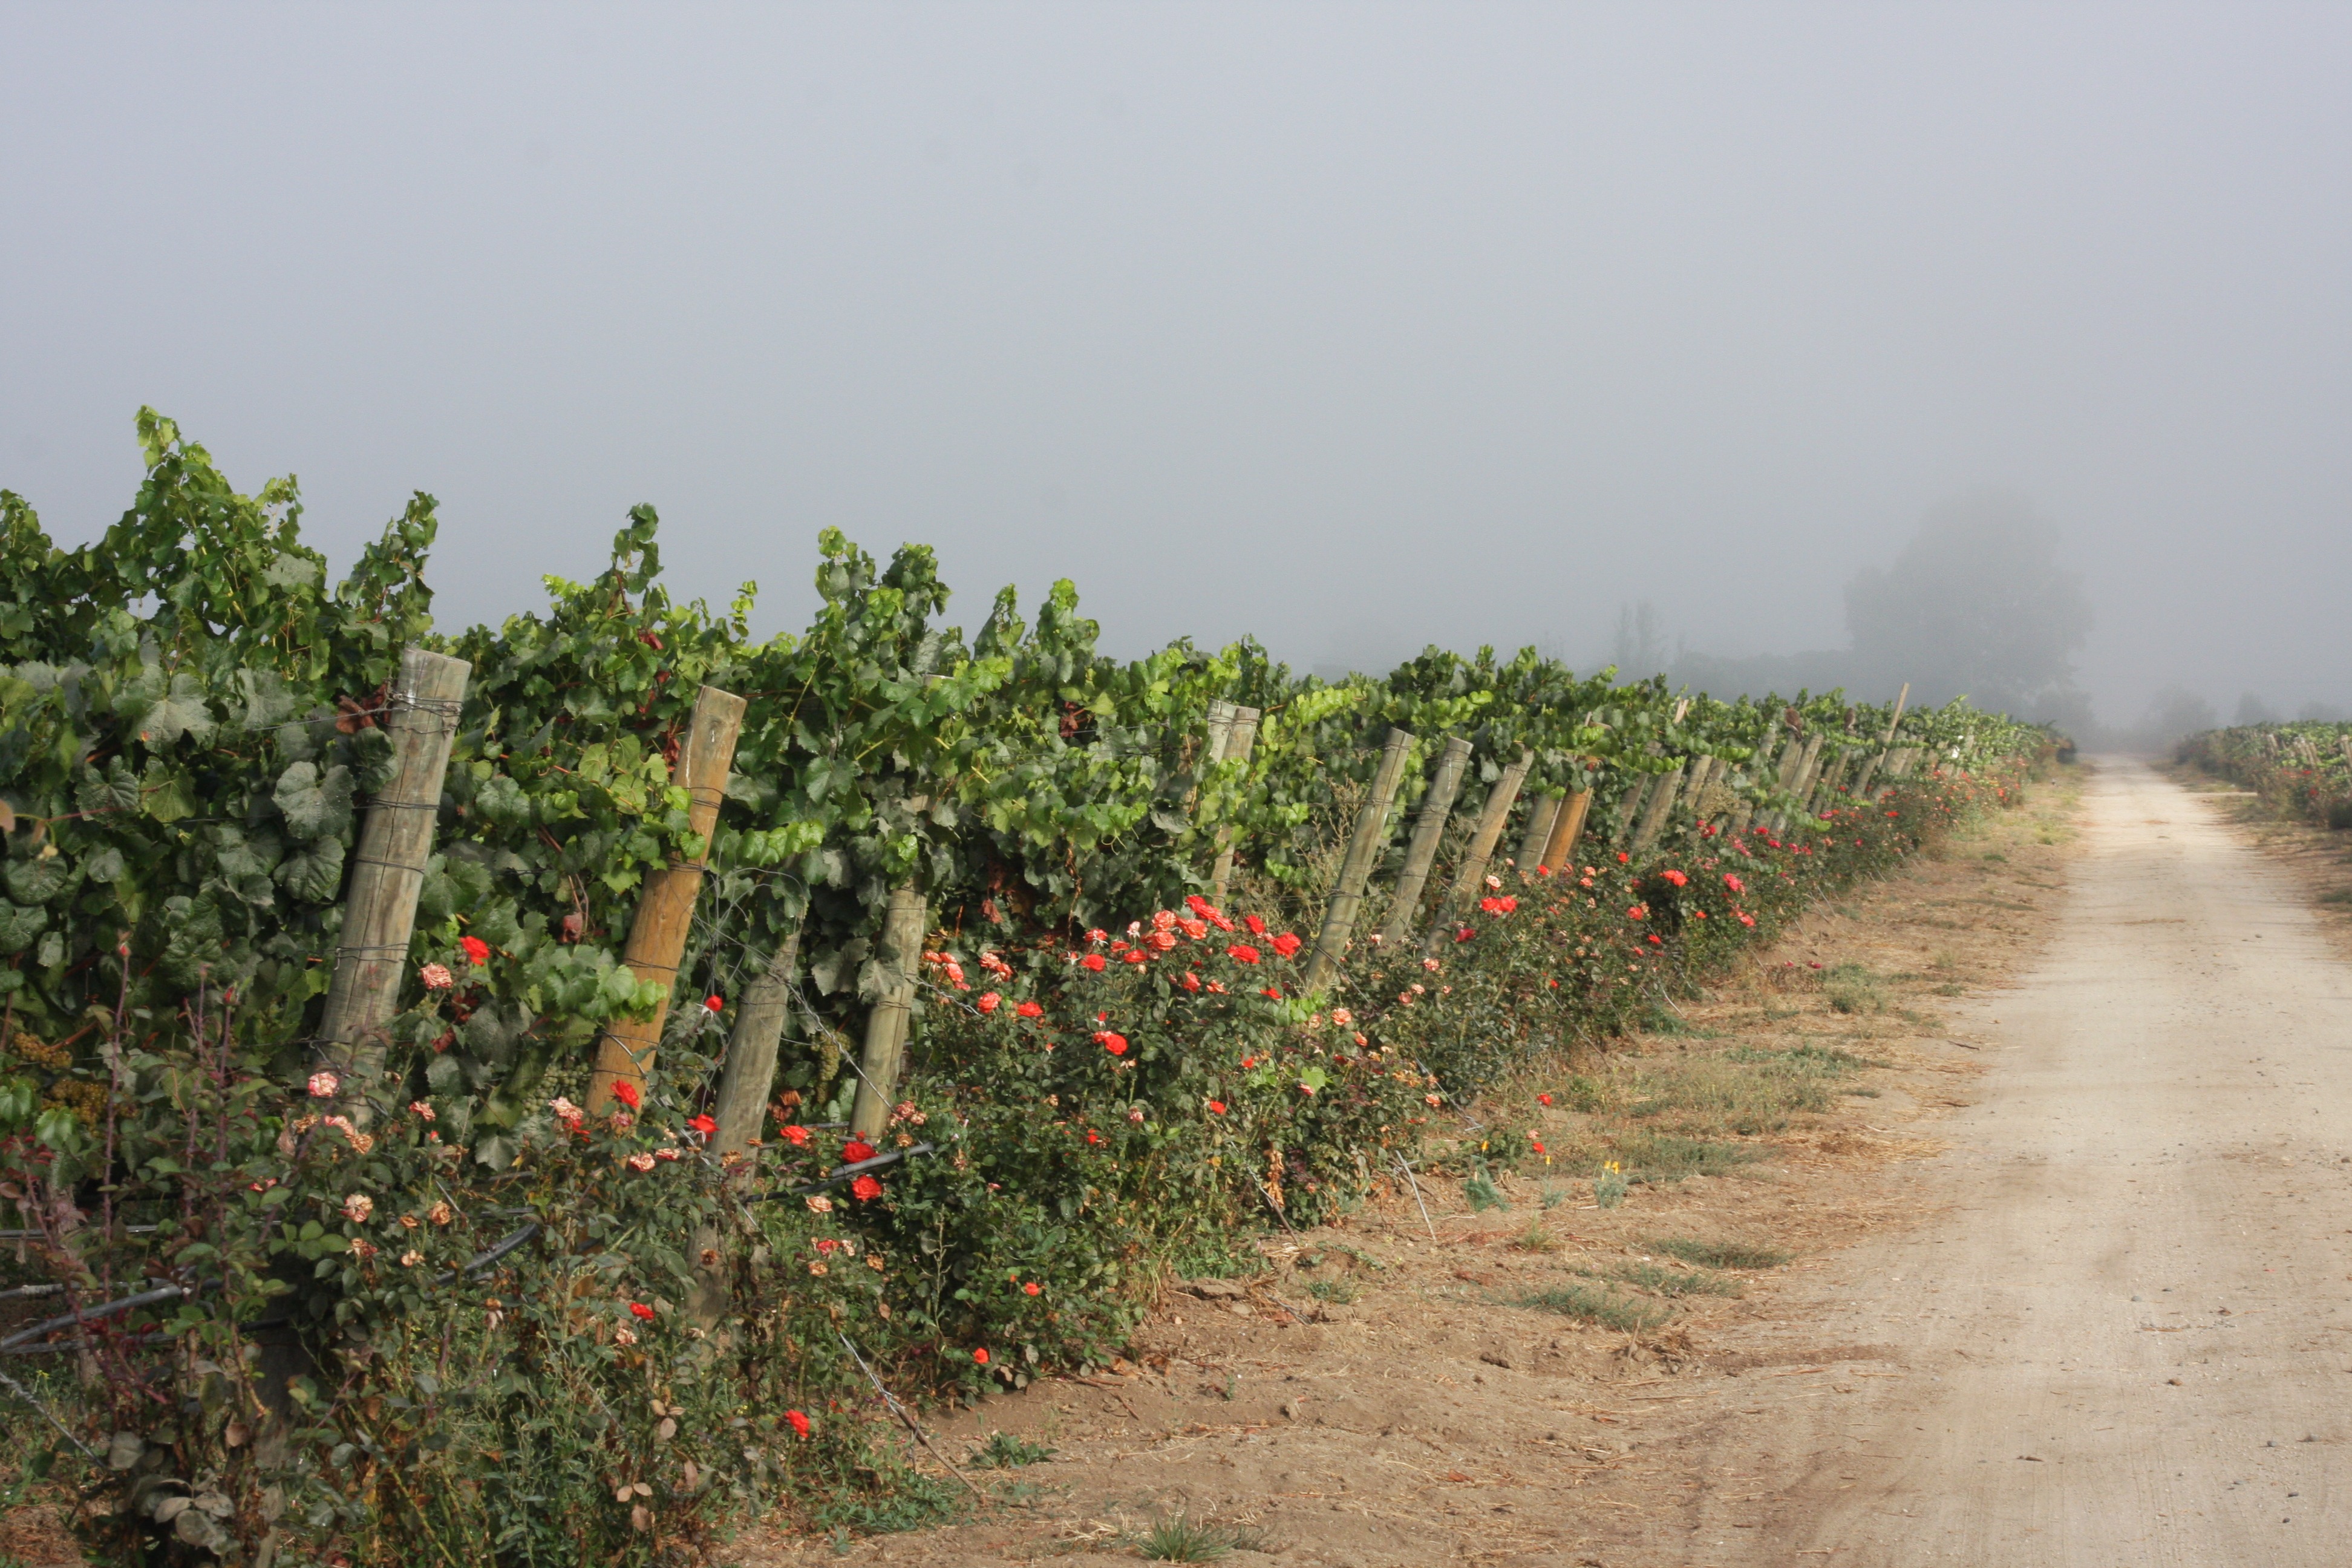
(1839, 336)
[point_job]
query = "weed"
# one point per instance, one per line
(1338, 1291)
(1628, 1314)
(1537, 1238)
(1722, 1254)
(1655, 1157)
(1666, 1021)
(1554, 1194)
(1660, 1281)
(1609, 1186)
(1003, 1451)
(1950, 989)
(2337, 896)
(1852, 988)
(1995, 854)
(1177, 1538)
(1482, 1195)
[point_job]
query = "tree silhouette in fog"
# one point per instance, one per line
(1976, 605)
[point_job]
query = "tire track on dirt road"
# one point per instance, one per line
(2127, 1341)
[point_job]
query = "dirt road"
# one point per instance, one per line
(2134, 1325)
(2070, 1282)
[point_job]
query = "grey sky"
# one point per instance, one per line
(1355, 327)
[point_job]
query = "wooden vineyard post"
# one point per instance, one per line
(388, 873)
(1567, 827)
(1489, 833)
(1800, 776)
(1219, 734)
(1239, 742)
(1885, 744)
(1629, 805)
(625, 1053)
(1428, 828)
(750, 1068)
(1363, 852)
(1662, 801)
(1541, 812)
(886, 1024)
(1702, 775)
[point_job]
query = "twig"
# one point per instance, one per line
(1402, 1164)
(1270, 1203)
(19, 1391)
(900, 1412)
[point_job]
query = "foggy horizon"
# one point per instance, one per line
(1352, 328)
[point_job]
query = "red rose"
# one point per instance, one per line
(639, 1310)
(477, 952)
(1256, 926)
(980, 1356)
(1191, 982)
(704, 1125)
(856, 1149)
(1217, 1107)
(798, 1422)
(714, 1004)
(866, 1189)
(1093, 960)
(626, 1093)
(797, 1136)
(1285, 944)
(1030, 1010)
(1241, 952)
(1115, 1043)
(989, 1001)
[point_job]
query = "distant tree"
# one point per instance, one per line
(1976, 605)
(1640, 648)
(2176, 711)
(2252, 709)
(2320, 713)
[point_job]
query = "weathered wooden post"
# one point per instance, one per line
(1661, 800)
(750, 1069)
(1541, 811)
(1356, 869)
(1702, 775)
(1568, 826)
(1885, 744)
(885, 1023)
(1489, 833)
(665, 909)
(1802, 779)
(1428, 828)
(1218, 734)
(1629, 807)
(1239, 742)
(388, 873)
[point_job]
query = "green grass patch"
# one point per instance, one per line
(1658, 1280)
(1177, 1539)
(1656, 1157)
(1607, 1308)
(1721, 1254)
(2337, 896)
(1003, 1451)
